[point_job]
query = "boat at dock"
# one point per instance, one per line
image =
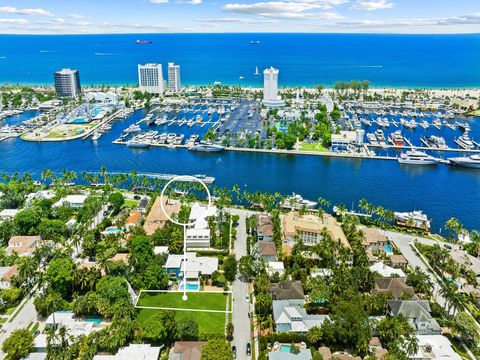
(417, 158)
(396, 138)
(437, 141)
(372, 139)
(138, 144)
(96, 135)
(380, 136)
(412, 219)
(132, 128)
(207, 147)
(296, 201)
(465, 142)
(472, 162)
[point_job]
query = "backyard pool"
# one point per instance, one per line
(191, 286)
(95, 320)
(112, 230)
(286, 348)
(388, 250)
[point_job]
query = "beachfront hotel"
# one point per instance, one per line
(67, 83)
(270, 88)
(150, 78)
(173, 77)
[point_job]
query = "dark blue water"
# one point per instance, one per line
(441, 192)
(446, 61)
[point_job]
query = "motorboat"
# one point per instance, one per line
(437, 141)
(396, 138)
(132, 128)
(413, 219)
(380, 136)
(207, 147)
(472, 161)
(417, 158)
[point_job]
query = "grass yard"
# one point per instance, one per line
(198, 301)
(208, 323)
(316, 146)
(131, 203)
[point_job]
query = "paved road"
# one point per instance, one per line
(24, 317)
(241, 308)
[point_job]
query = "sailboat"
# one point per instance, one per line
(256, 71)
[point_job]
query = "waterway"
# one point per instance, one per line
(442, 191)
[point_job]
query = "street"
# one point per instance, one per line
(241, 322)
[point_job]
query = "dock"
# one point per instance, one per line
(475, 151)
(106, 120)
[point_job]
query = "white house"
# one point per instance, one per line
(198, 231)
(194, 266)
(8, 214)
(134, 351)
(275, 267)
(386, 271)
(435, 347)
(75, 201)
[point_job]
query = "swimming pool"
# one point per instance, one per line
(78, 121)
(112, 230)
(388, 250)
(457, 282)
(96, 111)
(95, 320)
(286, 348)
(190, 286)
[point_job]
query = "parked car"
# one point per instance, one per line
(234, 351)
(247, 298)
(249, 349)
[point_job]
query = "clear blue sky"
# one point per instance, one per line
(152, 16)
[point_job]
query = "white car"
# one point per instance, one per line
(247, 299)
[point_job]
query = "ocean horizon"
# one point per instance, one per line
(385, 60)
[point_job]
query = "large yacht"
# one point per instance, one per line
(415, 218)
(417, 158)
(437, 141)
(465, 142)
(472, 161)
(296, 201)
(207, 147)
(380, 136)
(132, 128)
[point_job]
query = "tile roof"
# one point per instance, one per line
(267, 248)
(395, 286)
(286, 290)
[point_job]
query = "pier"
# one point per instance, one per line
(447, 149)
(107, 120)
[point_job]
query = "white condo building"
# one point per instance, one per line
(270, 88)
(150, 78)
(67, 83)
(174, 77)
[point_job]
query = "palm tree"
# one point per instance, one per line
(410, 344)
(26, 271)
(363, 204)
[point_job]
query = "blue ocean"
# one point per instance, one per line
(427, 61)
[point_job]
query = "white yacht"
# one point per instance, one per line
(437, 141)
(296, 201)
(132, 128)
(380, 136)
(416, 218)
(417, 158)
(372, 139)
(472, 161)
(465, 142)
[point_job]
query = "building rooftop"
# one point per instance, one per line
(386, 271)
(395, 286)
(8, 272)
(203, 265)
(373, 236)
(134, 218)
(462, 257)
(267, 248)
(286, 290)
(292, 312)
(398, 260)
(9, 213)
(71, 200)
(293, 222)
(264, 224)
(156, 218)
(435, 347)
(304, 354)
(187, 350)
(133, 351)
(22, 245)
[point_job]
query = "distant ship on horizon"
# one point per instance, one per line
(254, 42)
(143, 42)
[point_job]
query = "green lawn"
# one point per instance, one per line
(131, 203)
(474, 112)
(208, 323)
(316, 146)
(10, 310)
(198, 301)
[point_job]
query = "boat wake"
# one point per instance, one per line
(355, 66)
(106, 54)
(47, 51)
(3, 57)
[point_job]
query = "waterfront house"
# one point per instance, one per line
(374, 240)
(275, 267)
(310, 229)
(264, 227)
(267, 250)
(195, 266)
(186, 350)
(39, 195)
(133, 219)
(345, 139)
(74, 201)
(143, 205)
(386, 271)
(303, 354)
(418, 314)
(156, 218)
(466, 260)
(287, 290)
(291, 316)
(23, 245)
(6, 275)
(327, 354)
(396, 287)
(134, 351)
(434, 347)
(197, 234)
(398, 261)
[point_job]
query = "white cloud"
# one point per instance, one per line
(372, 5)
(15, 11)
(286, 9)
(245, 21)
(14, 21)
(194, 2)
(159, 1)
(76, 16)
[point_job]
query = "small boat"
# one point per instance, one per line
(254, 42)
(417, 158)
(241, 78)
(96, 136)
(372, 139)
(143, 42)
(463, 126)
(137, 144)
(472, 162)
(256, 71)
(437, 141)
(380, 136)
(396, 138)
